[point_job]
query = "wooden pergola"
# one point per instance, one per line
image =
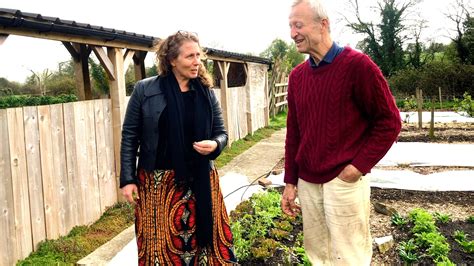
(115, 49)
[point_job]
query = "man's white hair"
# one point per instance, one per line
(316, 6)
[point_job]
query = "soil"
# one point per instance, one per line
(457, 204)
(443, 133)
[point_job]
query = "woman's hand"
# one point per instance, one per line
(129, 192)
(204, 147)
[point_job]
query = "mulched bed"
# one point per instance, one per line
(457, 204)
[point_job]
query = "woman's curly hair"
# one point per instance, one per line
(168, 50)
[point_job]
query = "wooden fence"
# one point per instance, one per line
(57, 166)
(278, 88)
(279, 101)
(57, 171)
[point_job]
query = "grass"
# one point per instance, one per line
(82, 240)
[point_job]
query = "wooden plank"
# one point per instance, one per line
(105, 153)
(81, 159)
(21, 201)
(236, 113)
(76, 39)
(81, 73)
(105, 61)
(128, 57)
(225, 100)
(72, 51)
(266, 110)
(59, 179)
(281, 94)
(51, 203)
(117, 96)
(224, 59)
(87, 160)
(281, 103)
(8, 253)
(241, 100)
(139, 64)
(35, 183)
(76, 206)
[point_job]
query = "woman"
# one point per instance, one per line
(175, 121)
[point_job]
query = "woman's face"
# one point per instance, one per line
(186, 65)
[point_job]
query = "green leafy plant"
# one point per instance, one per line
(442, 218)
(260, 228)
(12, 101)
(470, 219)
(409, 103)
(437, 247)
(428, 237)
(465, 105)
(423, 221)
(266, 248)
(302, 255)
(398, 220)
(407, 251)
(461, 238)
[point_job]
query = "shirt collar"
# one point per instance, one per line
(329, 57)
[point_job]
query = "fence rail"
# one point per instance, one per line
(56, 171)
(279, 94)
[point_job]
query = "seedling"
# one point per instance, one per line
(442, 218)
(398, 220)
(461, 238)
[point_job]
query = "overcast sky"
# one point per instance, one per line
(242, 26)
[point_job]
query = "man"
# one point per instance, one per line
(342, 119)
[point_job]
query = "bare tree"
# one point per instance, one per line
(384, 40)
(460, 14)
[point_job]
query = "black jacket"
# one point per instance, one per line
(140, 129)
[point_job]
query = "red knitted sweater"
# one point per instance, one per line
(339, 114)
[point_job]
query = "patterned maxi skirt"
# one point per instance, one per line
(165, 223)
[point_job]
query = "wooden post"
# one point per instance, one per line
(274, 80)
(117, 96)
(419, 102)
(267, 100)
(432, 120)
(440, 98)
(81, 69)
(139, 65)
(226, 112)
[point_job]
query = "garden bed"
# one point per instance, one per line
(278, 245)
(457, 205)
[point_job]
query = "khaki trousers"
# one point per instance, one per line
(336, 224)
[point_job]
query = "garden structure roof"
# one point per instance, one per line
(36, 25)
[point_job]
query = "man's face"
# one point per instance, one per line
(305, 31)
